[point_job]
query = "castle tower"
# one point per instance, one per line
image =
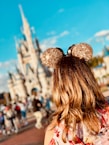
(31, 73)
(16, 87)
(28, 56)
(11, 87)
(27, 33)
(19, 86)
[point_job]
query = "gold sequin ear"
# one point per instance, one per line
(83, 51)
(51, 57)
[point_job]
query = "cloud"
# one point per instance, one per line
(96, 41)
(90, 40)
(64, 33)
(99, 37)
(5, 67)
(107, 38)
(61, 10)
(100, 53)
(51, 33)
(8, 65)
(101, 40)
(51, 41)
(3, 83)
(102, 36)
(102, 33)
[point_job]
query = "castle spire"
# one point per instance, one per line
(26, 27)
(38, 46)
(22, 15)
(10, 75)
(16, 44)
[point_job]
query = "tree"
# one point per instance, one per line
(96, 61)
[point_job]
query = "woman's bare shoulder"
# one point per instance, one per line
(49, 134)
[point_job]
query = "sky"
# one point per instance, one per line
(56, 23)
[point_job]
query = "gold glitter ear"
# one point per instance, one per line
(83, 51)
(51, 57)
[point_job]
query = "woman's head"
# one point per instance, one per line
(75, 90)
(73, 81)
(34, 91)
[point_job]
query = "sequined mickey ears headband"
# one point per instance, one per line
(51, 56)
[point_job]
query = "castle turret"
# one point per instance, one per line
(11, 87)
(20, 61)
(26, 27)
(28, 36)
(16, 44)
(38, 47)
(21, 91)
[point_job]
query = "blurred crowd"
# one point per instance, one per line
(14, 115)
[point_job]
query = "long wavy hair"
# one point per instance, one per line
(77, 95)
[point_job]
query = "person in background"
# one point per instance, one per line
(23, 110)
(37, 105)
(40, 96)
(16, 107)
(2, 123)
(29, 104)
(81, 116)
(10, 116)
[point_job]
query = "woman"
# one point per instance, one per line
(81, 116)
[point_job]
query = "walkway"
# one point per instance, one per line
(28, 135)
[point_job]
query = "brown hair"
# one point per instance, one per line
(76, 94)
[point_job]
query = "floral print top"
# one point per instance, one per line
(83, 137)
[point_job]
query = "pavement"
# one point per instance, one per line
(27, 135)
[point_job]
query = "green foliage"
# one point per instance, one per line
(95, 61)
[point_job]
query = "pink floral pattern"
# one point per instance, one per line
(52, 142)
(57, 132)
(102, 137)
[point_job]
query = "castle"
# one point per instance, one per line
(30, 72)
